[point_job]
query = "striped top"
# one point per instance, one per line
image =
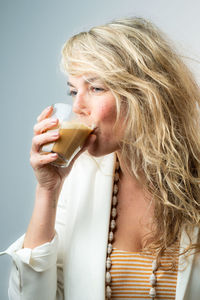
(130, 273)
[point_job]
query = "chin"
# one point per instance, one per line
(97, 152)
(101, 148)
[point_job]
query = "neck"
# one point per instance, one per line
(126, 175)
(132, 190)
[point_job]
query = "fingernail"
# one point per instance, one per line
(53, 154)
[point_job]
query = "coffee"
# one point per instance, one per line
(71, 140)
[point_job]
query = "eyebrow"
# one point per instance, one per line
(86, 80)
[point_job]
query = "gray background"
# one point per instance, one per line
(31, 36)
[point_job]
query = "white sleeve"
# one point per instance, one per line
(38, 273)
(35, 273)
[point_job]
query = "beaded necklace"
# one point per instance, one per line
(112, 227)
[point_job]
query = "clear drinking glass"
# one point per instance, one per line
(73, 135)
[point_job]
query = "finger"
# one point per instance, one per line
(45, 113)
(38, 160)
(44, 125)
(41, 139)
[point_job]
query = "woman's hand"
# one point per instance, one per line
(49, 177)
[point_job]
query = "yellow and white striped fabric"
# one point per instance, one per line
(130, 273)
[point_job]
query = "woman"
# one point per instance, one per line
(127, 221)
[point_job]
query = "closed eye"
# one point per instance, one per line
(95, 89)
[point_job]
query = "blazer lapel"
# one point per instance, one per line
(87, 247)
(101, 226)
(185, 265)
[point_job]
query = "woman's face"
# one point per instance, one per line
(95, 104)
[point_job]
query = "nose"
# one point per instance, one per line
(80, 105)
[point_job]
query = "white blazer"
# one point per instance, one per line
(74, 262)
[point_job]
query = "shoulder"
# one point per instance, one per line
(191, 235)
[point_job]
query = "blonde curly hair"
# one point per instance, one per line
(162, 138)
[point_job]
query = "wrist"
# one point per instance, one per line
(49, 196)
(49, 190)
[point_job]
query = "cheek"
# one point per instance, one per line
(106, 113)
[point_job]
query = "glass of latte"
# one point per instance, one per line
(73, 135)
